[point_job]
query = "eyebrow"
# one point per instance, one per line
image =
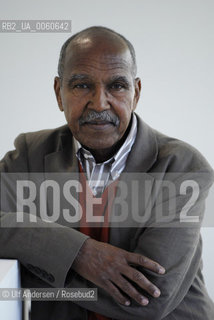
(76, 77)
(79, 77)
(120, 79)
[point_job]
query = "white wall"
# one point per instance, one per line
(175, 50)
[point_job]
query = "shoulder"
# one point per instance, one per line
(172, 154)
(32, 147)
(48, 140)
(180, 155)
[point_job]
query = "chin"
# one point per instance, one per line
(98, 145)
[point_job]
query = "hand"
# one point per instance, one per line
(105, 265)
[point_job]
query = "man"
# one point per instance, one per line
(143, 269)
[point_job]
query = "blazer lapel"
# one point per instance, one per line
(144, 151)
(64, 158)
(62, 166)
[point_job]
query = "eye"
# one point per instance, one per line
(81, 86)
(117, 86)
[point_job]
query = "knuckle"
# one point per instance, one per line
(137, 276)
(157, 266)
(110, 268)
(138, 298)
(142, 260)
(103, 278)
(151, 288)
(122, 259)
(126, 287)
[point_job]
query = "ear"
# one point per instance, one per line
(137, 84)
(57, 92)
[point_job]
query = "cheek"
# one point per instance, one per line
(125, 106)
(124, 114)
(125, 117)
(125, 102)
(73, 110)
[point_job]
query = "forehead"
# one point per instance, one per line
(95, 57)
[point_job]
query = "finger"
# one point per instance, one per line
(128, 289)
(145, 262)
(115, 293)
(137, 277)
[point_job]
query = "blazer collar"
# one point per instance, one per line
(64, 158)
(144, 150)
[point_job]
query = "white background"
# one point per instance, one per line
(174, 41)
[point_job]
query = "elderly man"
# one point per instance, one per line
(143, 270)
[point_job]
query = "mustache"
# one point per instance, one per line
(101, 116)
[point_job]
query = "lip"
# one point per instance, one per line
(99, 125)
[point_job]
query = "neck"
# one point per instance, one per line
(101, 155)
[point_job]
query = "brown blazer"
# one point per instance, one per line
(47, 251)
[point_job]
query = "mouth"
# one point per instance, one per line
(99, 124)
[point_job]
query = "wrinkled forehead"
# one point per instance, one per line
(89, 54)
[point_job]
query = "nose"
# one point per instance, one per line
(99, 99)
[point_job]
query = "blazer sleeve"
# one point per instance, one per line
(177, 247)
(47, 250)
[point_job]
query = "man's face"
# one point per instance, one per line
(98, 93)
